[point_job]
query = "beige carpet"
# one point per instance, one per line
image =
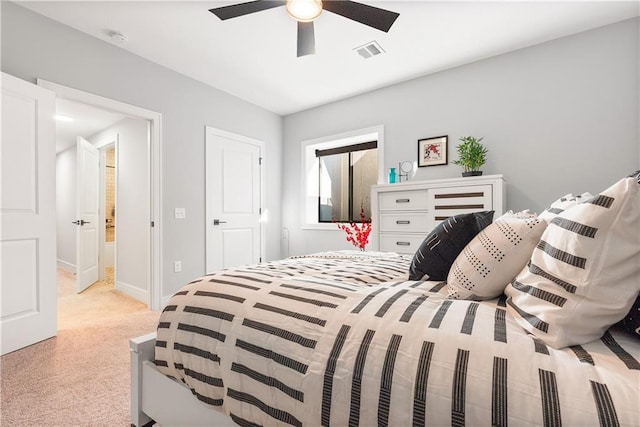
(80, 377)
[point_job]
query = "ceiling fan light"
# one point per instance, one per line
(304, 10)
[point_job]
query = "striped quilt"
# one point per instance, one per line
(343, 338)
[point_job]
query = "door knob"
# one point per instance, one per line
(80, 222)
(218, 222)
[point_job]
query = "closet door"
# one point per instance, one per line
(27, 215)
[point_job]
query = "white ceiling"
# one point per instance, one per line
(85, 121)
(254, 57)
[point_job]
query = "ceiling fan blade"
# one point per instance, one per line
(235, 10)
(306, 39)
(375, 17)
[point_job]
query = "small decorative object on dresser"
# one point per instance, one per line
(404, 168)
(432, 151)
(471, 155)
(392, 175)
(404, 214)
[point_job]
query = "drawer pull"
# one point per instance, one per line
(403, 222)
(403, 243)
(456, 195)
(448, 207)
(403, 200)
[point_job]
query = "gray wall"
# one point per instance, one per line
(36, 47)
(132, 204)
(66, 171)
(558, 117)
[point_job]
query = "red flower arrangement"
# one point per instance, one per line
(357, 234)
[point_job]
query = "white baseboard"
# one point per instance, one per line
(66, 266)
(133, 291)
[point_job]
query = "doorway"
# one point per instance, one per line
(108, 193)
(145, 285)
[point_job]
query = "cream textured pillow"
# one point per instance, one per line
(584, 273)
(495, 256)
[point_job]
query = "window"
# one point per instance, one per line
(337, 174)
(346, 175)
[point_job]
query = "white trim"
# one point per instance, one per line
(103, 146)
(66, 266)
(107, 142)
(308, 158)
(252, 141)
(132, 291)
(155, 172)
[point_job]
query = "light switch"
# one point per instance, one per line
(180, 213)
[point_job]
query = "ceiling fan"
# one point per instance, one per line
(307, 11)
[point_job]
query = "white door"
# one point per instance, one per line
(27, 215)
(88, 201)
(233, 193)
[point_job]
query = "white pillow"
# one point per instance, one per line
(564, 203)
(584, 274)
(495, 256)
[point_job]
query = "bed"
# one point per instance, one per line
(521, 320)
(344, 338)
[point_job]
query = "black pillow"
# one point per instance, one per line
(631, 322)
(439, 250)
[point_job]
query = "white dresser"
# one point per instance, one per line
(403, 214)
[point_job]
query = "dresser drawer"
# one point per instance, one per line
(403, 200)
(401, 243)
(447, 202)
(404, 222)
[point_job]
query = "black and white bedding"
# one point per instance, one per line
(344, 338)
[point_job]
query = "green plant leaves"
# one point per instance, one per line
(471, 153)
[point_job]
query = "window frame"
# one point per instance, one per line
(349, 150)
(309, 166)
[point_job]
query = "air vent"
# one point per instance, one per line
(370, 49)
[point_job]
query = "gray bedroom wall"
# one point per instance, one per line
(557, 117)
(36, 47)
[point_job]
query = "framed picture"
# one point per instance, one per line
(432, 151)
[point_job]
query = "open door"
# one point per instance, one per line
(27, 215)
(88, 201)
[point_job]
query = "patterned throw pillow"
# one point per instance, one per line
(583, 274)
(495, 256)
(437, 252)
(562, 204)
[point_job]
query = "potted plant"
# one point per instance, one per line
(471, 155)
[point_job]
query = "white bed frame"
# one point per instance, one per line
(156, 397)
